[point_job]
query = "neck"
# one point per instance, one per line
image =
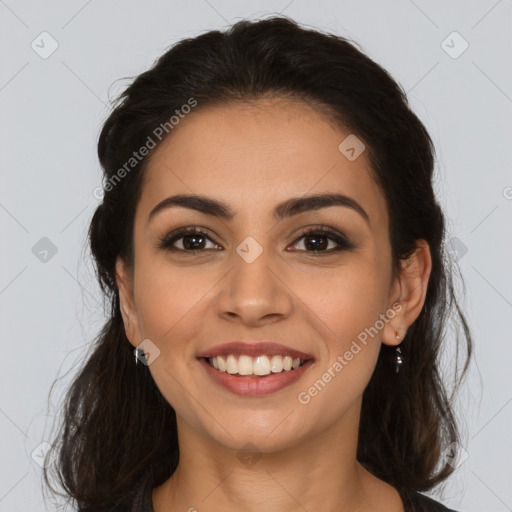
(317, 473)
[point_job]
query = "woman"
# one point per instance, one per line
(273, 252)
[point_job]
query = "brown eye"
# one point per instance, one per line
(318, 240)
(192, 239)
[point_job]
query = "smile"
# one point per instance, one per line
(254, 366)
(251, 384)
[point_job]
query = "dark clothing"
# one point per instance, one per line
(416, 502)
(413, 501)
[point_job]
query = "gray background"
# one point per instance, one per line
(52, 109)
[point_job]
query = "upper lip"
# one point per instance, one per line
(254, 350)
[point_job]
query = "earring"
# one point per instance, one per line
(399, 360)
(136, 352)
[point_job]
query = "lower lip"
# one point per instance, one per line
(255, 386)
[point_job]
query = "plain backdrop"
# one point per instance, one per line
(60, 65)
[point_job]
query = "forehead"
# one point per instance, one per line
(253, 155)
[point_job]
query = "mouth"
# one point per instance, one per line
(254, 369)
(254, 359)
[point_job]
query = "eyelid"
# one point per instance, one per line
(166, 242)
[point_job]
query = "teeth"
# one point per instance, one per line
(276, 364)
(231, 365)
(244, 365)
(261, 365)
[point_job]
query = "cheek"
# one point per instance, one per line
(171, 306)
(349, 305)
(348, 300)
(166, 298)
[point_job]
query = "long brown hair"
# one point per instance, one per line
(117, 429)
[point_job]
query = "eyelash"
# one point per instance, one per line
(166, 243)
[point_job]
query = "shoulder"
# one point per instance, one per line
(417, 502)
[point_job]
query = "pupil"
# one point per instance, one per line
(318, 242)
(194, 238)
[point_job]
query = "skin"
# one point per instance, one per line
(253, 156)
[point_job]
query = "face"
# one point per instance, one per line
(255, 276)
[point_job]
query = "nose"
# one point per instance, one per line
(254, 293)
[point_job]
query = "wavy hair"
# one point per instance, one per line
(117, 428)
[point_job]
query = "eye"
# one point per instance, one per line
(192, 239)
(317, 239)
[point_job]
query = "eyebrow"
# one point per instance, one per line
(288, 208)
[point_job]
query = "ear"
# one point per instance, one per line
(124, 281)
(409, 291)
